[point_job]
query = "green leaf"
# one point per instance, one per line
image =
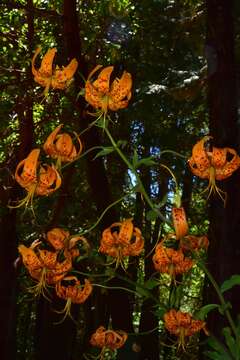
(231, 343)
(202, 313)
(217, 345)
(151, 283)
(135, 158)
(212, 355)
(148, 161)
(229, 283)
(105, 151)
(217, 356)
(142, 291)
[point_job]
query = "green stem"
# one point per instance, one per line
(117, 288)
(221, 298)
(174, 153)
(101, 216)
(82, 155)
(139, 181)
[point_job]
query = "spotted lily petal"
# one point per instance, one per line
(26, 171)
(179, 222)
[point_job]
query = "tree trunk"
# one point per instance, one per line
(224, 250)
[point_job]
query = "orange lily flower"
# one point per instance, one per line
(49, 180)
(61, 240)
(57, 237)
(170, 261)
(36, 179)
(61, 147)
(213, 165)
(179, 222)
(194, 243)
(103, 95)
(43, 266)
(111, 339)
(73, 293)
(182, 325)
(128, 241)
(47, 76)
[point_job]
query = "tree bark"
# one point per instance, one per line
(224, 250)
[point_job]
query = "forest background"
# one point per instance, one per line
(184, 58)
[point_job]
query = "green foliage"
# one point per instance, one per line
(229, 283)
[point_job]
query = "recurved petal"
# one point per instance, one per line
(101, 84)
(92, 96)
(46, 68)
(203, 173)
(126, 232)
(49, 146)
(219, 157)
(26, 171)
(107, 239)
(64, 145)
(117, 105)
(137, 246)
(62, 77)
(69, 70)
(34, 70)
(56, 237)
(179, 222)
(48, 258)
(49, 180)
(30, 259)
(199, 154)
(121, 88)
(83, 293)
(230, 166)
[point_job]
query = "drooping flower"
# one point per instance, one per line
(43, 266)
(35, 178)
(62, 240)
(111, 339)
(217, 164)
(61, 146)
(179, 222)
(121, 239)
(103, 95)
(182, 325)
(48, 76)
(170, 261)
(73, 293)
(57, 237)
(49, 180)
(194, 243)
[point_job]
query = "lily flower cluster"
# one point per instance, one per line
(173, 254)
(43, 179)
(45, 266)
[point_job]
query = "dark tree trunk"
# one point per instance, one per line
(224, 250)
(8, 255)
(149, 321)
(8, 221)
